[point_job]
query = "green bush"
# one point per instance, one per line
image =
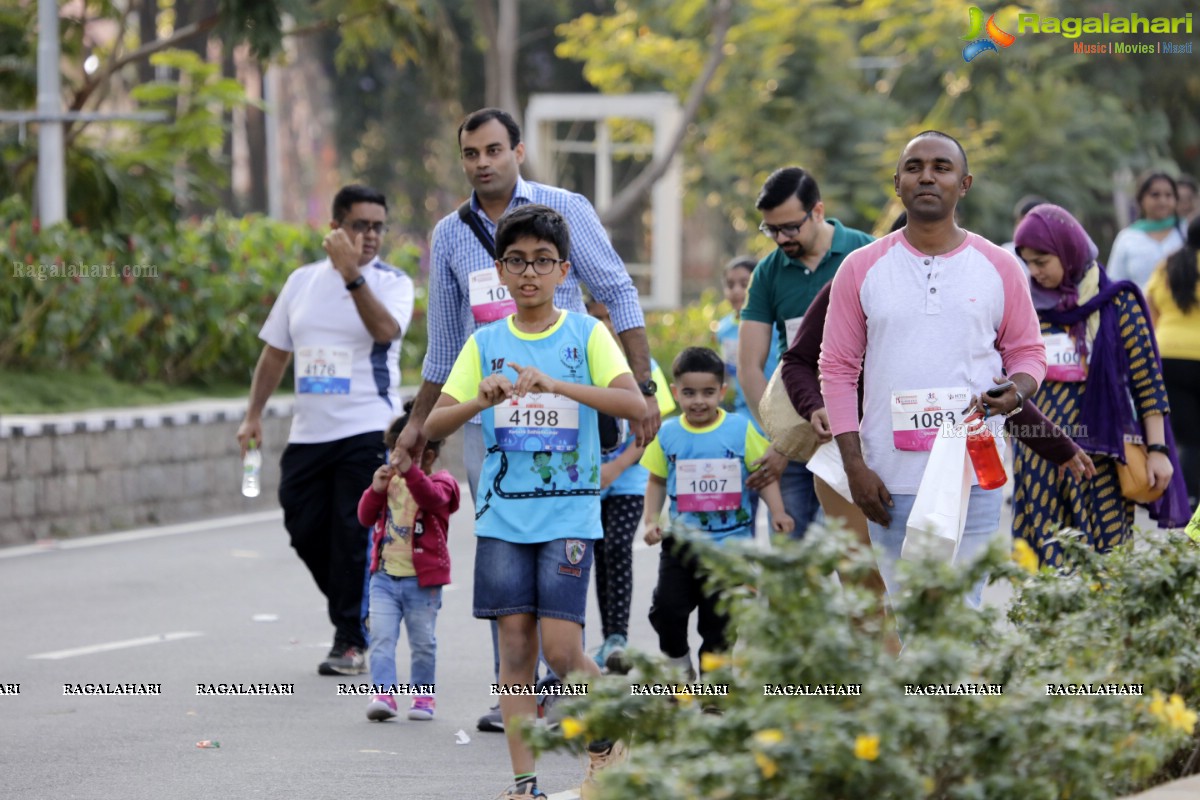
(177, 303)
(670, 331)
(797, 625)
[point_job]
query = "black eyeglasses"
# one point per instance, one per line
(542, 265)
(789, 229)
(362, 226)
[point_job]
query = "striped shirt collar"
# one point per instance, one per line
(520, 196)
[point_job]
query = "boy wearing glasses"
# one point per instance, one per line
(810, 248)
(341, 319)
(537, 378)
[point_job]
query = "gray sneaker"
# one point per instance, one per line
(491, 722)
(351, 661)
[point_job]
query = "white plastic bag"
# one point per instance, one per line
(826, 464)
(939, 513)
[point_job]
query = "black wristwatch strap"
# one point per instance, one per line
(1158, 448)
(357, 282)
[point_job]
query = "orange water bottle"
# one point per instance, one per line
(985, 458)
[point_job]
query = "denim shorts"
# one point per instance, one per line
(549, 579)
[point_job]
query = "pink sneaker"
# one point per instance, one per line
(422, 708)
(381, 708)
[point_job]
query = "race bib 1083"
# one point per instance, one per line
(918, 414)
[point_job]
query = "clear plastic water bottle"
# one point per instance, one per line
(251, 470)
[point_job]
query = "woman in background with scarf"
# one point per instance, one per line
(1102, 364)
(1156, 233)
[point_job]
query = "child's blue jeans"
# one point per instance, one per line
(393, 600)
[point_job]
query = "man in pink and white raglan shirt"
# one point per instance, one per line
(930, 316)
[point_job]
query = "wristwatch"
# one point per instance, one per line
(1158, 448)
(648, 387)
(357, 282)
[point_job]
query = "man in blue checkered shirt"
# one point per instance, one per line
(465, 291)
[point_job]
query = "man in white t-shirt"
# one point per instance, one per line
(342, 319)
(929, 316)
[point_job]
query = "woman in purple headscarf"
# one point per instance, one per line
(1103, 382)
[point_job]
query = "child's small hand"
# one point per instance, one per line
(494, 389)
(531, 379)
(653, 534)
(381, 478)
(401, 461)
(782, 523)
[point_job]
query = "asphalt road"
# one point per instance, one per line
(227, 601)
(191, 599)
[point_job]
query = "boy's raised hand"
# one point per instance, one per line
(653, 534)
(494, 389)
(782, 523)
(531, 379)
(381, 478)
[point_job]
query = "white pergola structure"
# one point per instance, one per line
(662, 111)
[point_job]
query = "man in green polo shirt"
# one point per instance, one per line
(810, 250)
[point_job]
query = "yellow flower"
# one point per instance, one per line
(765, 765)
(711, 662)
(1024, 556)
(1158, 705)
(1179, 716)
(866, 747)
(769, 736)
(571, 727)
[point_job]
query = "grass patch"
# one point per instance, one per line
(49, 392)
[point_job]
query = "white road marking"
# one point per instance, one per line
(103, 648)
(275, 515)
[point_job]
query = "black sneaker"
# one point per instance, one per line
(334, 652)
(491, 722)
(348, 660)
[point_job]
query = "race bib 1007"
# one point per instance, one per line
(537, 423)
(918, 414)
(489, 298)
(323, 370)
(703, 484)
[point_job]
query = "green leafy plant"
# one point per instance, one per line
(797, 625)
(173, 303)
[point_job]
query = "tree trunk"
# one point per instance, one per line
(501, 30)
(505, 48)
(256, 143)
(627, 200)
(147, 32)
(229, 200)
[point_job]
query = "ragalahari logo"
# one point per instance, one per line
(978, 43)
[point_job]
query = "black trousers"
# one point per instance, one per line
(1182, 379)
(613, 567)
(319, 490)
(679, 592)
